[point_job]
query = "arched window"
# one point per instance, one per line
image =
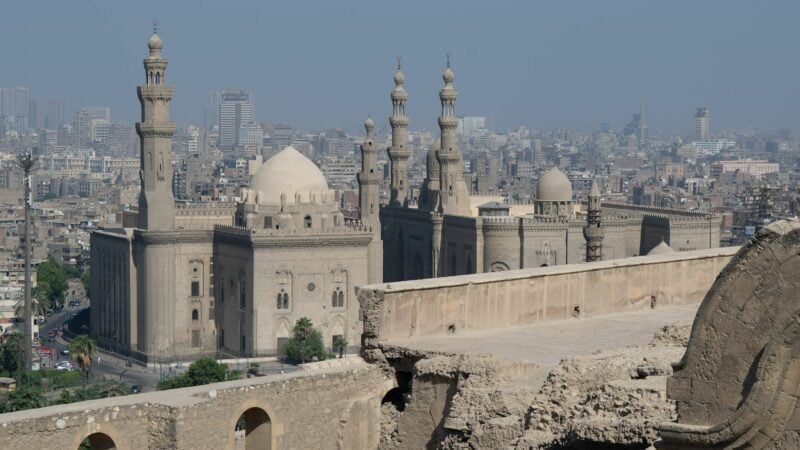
(158, 78)
(337, 298)
(307, 221)
(285, 300)
(341, 299)
(195, 315)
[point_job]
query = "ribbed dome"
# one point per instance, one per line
(554, 186)
(661, 249)
(290, 173)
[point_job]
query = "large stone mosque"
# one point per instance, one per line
(449, 232)
(184, 280)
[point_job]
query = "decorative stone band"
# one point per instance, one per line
(173, 237)
(155, 129)
(353, 239)
(152, 93)
(395, 154)
(368, 178)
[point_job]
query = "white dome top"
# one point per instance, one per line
(661, 249)
(554, 186)
(290, 173)
(154, 43)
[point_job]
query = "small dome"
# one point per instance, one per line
(399, 78)
(154, 43)
(369, 124)
(289, 172)
(448, 76)
(661, 249)
(554, 186)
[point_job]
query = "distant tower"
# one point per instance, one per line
(642, 132)
(454, 197)
(399, 151)
(156, 204)
(429, 194)
(701, 124)
(368, 179)
(593, 231)
(368, 198)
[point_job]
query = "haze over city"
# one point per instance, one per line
(316, 64)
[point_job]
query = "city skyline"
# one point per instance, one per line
(315, 65)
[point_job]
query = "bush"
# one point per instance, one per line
(305, 344)
(202, 371)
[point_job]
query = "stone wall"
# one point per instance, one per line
(322, 409)
(394, 312)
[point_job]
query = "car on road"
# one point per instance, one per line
(65, 352)
(51, 338)
(64, 365)
(135, 389)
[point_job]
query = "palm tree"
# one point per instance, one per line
(37, 307)
(302, 330)
(83, 349)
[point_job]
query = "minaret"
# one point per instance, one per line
(368, 198)
(453, 197)
(368, 179)
(593, 231)
(429, 194)
(156, 205)
(399, 151)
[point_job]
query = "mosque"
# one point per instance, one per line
(450, 232)
(185, 280)
(180, 281)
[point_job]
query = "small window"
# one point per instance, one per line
(195, 289)
(195, 315)
(283, 299)
(307, 221)
(242, 294)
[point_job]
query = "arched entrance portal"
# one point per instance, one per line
(254, 430)
(97, 441)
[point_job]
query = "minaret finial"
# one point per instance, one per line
(448, 59)
(155, 26)
(398, 62)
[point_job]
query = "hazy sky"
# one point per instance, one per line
(330, 63)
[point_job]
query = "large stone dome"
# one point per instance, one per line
(554, 186)
(290, 173)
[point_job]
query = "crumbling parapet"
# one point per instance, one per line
(738, 383)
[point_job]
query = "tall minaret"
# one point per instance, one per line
(453, 197)
(368, 179)
(368, 198)
(399, 151)
(593, 232)
(156, 205)
(429, 194)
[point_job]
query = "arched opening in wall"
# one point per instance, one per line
(398, 396)
(253, 430)
(307, 222)
(97, 441)
(544, 265)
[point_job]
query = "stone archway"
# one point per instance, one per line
(253, 430)
(98, 441)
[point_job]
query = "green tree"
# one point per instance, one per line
(37, 307)
(82, 349)
(339, 345)
(24, 397)
(55, 276)
(305, 343)
(202, 371)
(11, 354)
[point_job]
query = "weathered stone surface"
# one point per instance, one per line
(738, 382)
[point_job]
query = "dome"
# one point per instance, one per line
(154, 43)
(661, 249)
(369, 124)
(554, 186)
(290, 173)
(399, 78)
(448, 75)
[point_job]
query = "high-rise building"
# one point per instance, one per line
(467, 126)
(701, 125)
(54, 116)
(235, 111)
(14, 109)
(212, 110)
(91, 125)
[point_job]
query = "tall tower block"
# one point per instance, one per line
(156, 205)
(593, 232)
(399, 151)
(453, 194)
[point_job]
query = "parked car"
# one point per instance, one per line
(64, 365)
(65, 352)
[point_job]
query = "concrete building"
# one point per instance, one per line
(212, 278)
(754, 167)
(235, 112)
(702, 128)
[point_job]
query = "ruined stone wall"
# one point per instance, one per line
(325, 409)
(397, 311)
